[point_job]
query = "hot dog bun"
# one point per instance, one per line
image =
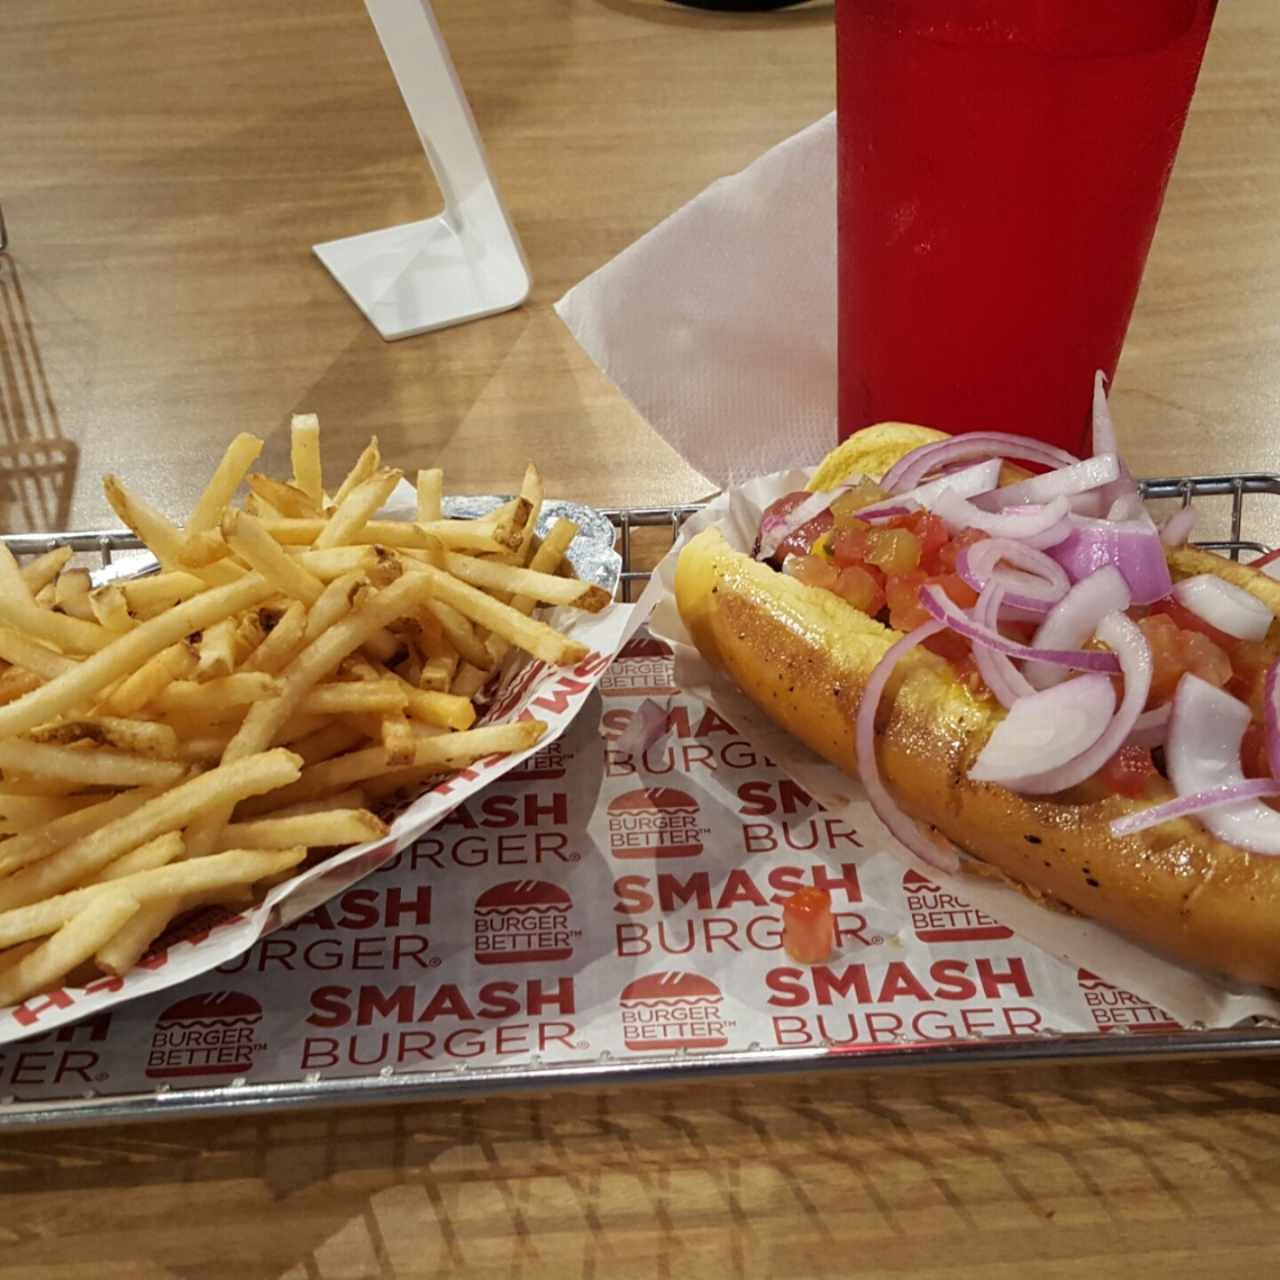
(803, 655)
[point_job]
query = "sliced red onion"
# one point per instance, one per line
(1074, 620)
(940, 607)
(1104, 441)
(1000, 675)
(1151, 727)
(1178, 527)
(904, 828)
(1020, 523)
(968, 482)
(1036, 590)
(1271, 717)
(648, 724)
(1129, 646)
(1268, 562)
(1047, 730)
(782, 527)
(1223, 605)
(1065, 482)
(1126, 507)
(1133, 547)
(1199, 802)
(1089, 504)
(1203, 754)
(913, 467)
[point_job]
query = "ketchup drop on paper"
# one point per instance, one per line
(808, 927)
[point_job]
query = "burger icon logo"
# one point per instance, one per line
(654, 822)
(939, 916)
(672, 1010)
(642, 670)
(545, 764)
(210, 1034)
(1114, 1009)
(523, 922)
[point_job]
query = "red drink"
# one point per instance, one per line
(1001, 168)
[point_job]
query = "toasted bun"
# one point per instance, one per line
(803, 656)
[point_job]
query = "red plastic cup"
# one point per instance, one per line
(1001, 168)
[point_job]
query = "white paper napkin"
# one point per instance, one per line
(719, 325)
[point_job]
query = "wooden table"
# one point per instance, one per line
(165, 170)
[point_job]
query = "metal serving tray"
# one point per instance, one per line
(410, 1085)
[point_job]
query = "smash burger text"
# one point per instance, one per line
(412, 1025)
(873, 1004)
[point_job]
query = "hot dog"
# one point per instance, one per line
(810, 647)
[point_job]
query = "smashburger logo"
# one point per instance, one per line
(1114, 1009)
(545, 764)
(522, 922)
(641, 670)
(654, 822)
(938, 916)
(213, 1033)
(672, 1010)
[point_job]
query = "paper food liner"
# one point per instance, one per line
(1193, 998)
(530, 689)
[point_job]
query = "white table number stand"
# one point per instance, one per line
(467, 261)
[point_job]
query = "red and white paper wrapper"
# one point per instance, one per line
(532, 689)
(1192, 998)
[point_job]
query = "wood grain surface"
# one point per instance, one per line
(164, 170)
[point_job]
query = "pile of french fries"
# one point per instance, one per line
(192, 737)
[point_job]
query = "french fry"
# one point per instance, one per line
(525, 633)
(190, 875)
(155, 853)
(200, 554)
(249, 539)
(111, 608)
(335, 738)
(440, 754)
(75, 941)
(45, 569)
(284, 638)
(458, 629)
(16, 682)
(31, 846)
(187, 697)
(430, 489)
(468, 681)
(120, 953)
(31, 655)
(71, 635)
(289, 500)
(543, 588)
(71, 594)
(137, 737)
(101, 768)
(175, 662)
(437, 673)
(377, 696)
(350, 799)
(315, 830)
(335, 602)
(250, 633)
(216, 650)
(151, 595)
(354, 511)
(25, 812)
(127, 653)
(240, 455)
(304, 442)
(168, 811)
(398, 740)
(366, 464)
(547, 558)
(442, 710)
(12, 583)
(458, 535)
(375, 562)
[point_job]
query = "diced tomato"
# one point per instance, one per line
(1174, 652)
(1253, 752)
(1250, 661)
(808, 927)
(949, 553)
(862, 587)
(1188, 621)
(956, 649)
(1130, 771)
(902, 592)
(933, 534)
(957, 588)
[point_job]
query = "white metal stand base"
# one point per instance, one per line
(466, 262)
